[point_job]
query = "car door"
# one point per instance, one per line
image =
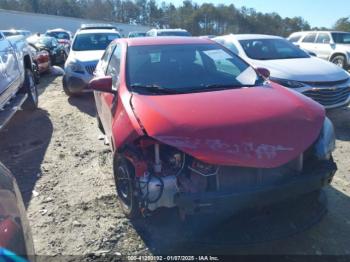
(101, 70)
(324, 47)
(308, 43)
(109, 100)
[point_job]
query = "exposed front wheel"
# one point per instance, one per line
(125, 185)
(30, 88)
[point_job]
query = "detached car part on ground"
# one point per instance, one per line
(195, 127)
(15, 234)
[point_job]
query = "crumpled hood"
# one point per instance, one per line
(261, 127)
(303, 69)
(87, 56)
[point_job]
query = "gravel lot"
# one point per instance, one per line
(64, 173)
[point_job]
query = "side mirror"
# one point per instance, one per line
(265, 73)
(102, 84)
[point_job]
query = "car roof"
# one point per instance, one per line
(173, 40)
(95, 31)
(169, 30)
(97, 26)
(323, 31)
(57, 30)
(253, 36)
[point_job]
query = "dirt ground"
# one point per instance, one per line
(65, 175)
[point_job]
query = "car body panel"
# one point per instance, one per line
(262, 127)
(303, 69)
(14, 50)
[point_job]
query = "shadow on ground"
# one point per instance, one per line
(23, 145)
(294, 227)
(84, 102)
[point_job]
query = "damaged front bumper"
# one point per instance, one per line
(313, 178)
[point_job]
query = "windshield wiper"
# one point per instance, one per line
(154, 88)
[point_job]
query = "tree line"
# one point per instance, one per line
(204, 19)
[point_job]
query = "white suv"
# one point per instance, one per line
(87, 48)
(328, 45)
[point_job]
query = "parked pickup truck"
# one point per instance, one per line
(17, 86)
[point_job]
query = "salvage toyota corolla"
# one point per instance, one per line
(193, 126)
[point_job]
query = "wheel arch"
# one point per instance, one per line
(340, 54)
(27, 62)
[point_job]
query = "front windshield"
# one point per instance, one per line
(93, 41)
(341, 38)
(270, 49)
(187, 68)
(173, 33)
(59, 35)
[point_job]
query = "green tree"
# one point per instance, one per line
(343, 24)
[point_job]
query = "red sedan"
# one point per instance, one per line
(193, 126)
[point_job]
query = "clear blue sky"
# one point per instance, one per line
(316, 12)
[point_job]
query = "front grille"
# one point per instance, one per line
(327, 84)
(90, 69)
(329, 96)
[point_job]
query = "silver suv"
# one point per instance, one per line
(328, 45)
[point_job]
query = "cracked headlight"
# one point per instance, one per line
(287, 83)
(325, 144)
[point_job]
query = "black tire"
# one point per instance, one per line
(340, 61)
(99, 124)
(29, 87)
(66, 89)
(124, 176)
(36, 73)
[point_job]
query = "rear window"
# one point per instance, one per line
(59, 35)
(341, 38)
(271, 49)
(93, 41)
